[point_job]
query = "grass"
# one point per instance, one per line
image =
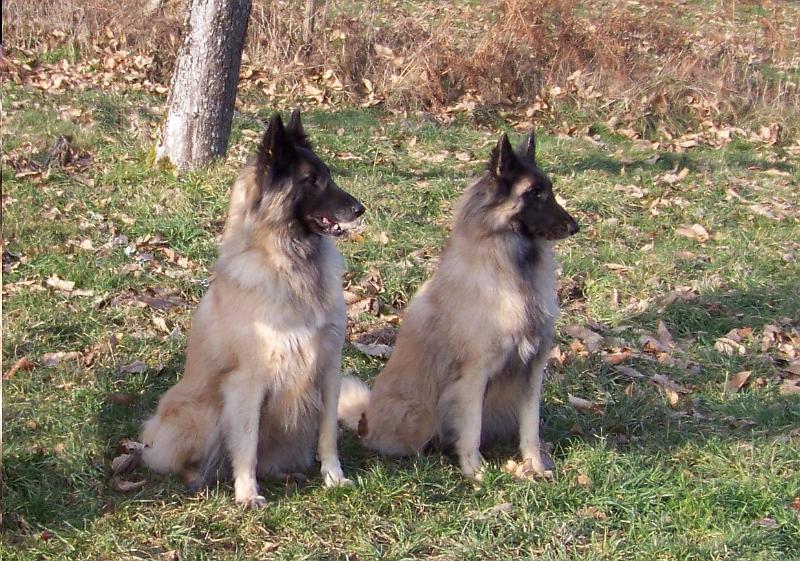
(710, 477)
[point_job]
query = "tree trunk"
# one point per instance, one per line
(308, 21)
(203, 88)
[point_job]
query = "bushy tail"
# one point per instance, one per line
(353, 400)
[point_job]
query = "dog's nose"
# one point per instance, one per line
(358, 209)
(572, 228)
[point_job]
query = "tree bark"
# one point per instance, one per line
(308, 21)
(203, 89)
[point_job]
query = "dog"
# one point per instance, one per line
(262, 376)
(469, 358)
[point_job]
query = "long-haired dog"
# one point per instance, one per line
(261, 382)
(468, 363)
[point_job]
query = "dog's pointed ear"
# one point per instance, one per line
(296, 131)
(277, 148)
(527, 149)
(503, 160)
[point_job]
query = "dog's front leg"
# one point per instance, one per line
(460, 419)
(327, 447)
(534, 464)
(242, 395)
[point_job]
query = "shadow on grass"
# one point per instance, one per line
(43, 491)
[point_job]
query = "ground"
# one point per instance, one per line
(671, 401)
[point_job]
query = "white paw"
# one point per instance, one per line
(472, 466)
(334, 477)
(530, 469)
(255, 502)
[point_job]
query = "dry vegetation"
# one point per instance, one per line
(659, 66)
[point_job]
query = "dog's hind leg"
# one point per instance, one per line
(243, 394)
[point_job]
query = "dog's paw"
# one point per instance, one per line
(530, 470)
(334, 477)
(256, 502)
(472, 467)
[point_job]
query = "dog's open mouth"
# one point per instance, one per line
(329, 227)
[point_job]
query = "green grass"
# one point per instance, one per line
(685, 482)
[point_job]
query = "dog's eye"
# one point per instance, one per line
(543, 195)
(310, 180)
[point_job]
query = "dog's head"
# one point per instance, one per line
(286, 160)
(520, 195)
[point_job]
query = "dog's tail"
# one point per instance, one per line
(353, 400)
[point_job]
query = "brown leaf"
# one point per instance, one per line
(664, 335)
(589, 338)
(728, 346)
(695, 231)
(768, 523)
(652, 345)
(582, 404)
(135, 367)
(618, 357)
(793, 368)
(736, 381)
(672, 396)
(377, 350)
(125, 463)
(667, 382)
(583, 480)
(129, 446)
(789, 387)
(124, 486)
(60, 284)
(629, 372)
(23, 363)
(50, 360)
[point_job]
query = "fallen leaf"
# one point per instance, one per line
(583, 480)
(591, 512)
(125, 463)
(618, 357)
(129, 446)
(672, 396)
(768, 523)
(629, 372)
(589, 338)
(793, 368)
(667, 382)
(136, 367)
(50, 360)
(789, 387)
(736, 381)
(23, 363)
(124, 486)
(695, 231)
(377, 350)
(728, 346)
(582, 404)
(161, 324)
(652, 345)
(664, 335)
(60, 284)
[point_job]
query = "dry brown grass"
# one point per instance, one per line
(655, 65)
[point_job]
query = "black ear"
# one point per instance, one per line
(296, 131)
(277, 148)
(527, 149)
(503, 160)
